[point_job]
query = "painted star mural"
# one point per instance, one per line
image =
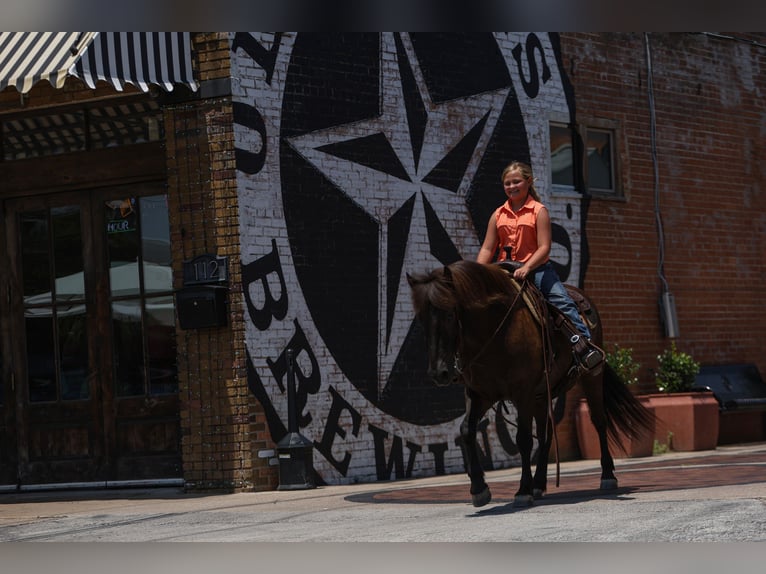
(409, 169)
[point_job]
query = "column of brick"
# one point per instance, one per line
(223, 426)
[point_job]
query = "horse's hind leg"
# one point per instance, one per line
(593, 387)
(475, 409)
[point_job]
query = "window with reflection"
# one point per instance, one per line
(143, 307)
(600, 160)
(54, 304)
(597, 164)
(562, 156)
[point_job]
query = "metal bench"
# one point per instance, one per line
(737, 387)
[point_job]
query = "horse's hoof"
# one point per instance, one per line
(538, 493)
(482, 498)
(523, 500)
(608, 484)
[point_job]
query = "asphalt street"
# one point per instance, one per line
(709, 496)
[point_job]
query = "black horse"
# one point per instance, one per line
(481, 331)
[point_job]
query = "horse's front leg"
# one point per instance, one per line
(475, 409)
(524, 496)
(544, 427)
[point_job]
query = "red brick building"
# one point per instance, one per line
(310, 171)
(707, 152)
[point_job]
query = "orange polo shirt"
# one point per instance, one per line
(518, 229)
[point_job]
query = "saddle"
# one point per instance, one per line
(541, 309)
(547, 315)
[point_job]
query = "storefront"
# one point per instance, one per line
(88, 379)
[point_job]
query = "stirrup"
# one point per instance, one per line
(587, 355)
(591, 359)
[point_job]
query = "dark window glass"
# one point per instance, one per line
(73, 353)
(54, 304)
(67, 254)
(41, 362)
(562, 158)
(128, 347)
(143, 306)
(35, 260)
(600, 170)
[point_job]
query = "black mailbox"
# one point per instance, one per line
(202, 306)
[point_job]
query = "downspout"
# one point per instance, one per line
(667, 302)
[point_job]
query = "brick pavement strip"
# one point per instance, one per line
(645, 476)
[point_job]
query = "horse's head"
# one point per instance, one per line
(457, 306)
(435, 306)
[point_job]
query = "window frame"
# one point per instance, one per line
(558, 188)
(580, 162)
(611, 128)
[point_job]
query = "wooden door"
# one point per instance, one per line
(51, 334)
(8, 463)
(90, 332)
(141, 405)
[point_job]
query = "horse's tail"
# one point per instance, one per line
(624, 411)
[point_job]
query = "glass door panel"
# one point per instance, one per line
(51, 246)
(60, 426)
(141, 282)
(143, 327)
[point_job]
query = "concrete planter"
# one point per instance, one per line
(686, 421)
(588, 439)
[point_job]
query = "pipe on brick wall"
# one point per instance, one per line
(667, 305)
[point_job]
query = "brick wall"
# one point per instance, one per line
(221, 420)
(710, 148)
(362, 157)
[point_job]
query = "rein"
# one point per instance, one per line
(459, 367)
(545, 337)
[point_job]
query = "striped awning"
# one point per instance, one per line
(28, 57)
(139, 58)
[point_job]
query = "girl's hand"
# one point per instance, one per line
(521, 273)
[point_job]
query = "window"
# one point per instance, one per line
(599, 169)
(143, 308)
(562, 157)
(599, 173)
(54, 304)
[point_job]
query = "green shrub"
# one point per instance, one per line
(676, 371)
(621, 360)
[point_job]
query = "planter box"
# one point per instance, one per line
(686, 421)
(588, 439)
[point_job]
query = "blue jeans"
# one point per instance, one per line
(547, 280)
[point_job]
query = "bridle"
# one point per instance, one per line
(458, 365)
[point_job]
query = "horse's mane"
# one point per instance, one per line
(463, 284)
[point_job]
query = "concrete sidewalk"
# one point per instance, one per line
(716, 495)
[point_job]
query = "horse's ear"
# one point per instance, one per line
(447, 273)
(410, 280)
